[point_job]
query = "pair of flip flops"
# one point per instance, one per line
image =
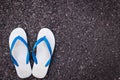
(20, 54)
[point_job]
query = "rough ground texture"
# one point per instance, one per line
(87, 36)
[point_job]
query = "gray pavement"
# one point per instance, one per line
(87, 36)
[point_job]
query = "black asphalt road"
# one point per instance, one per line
(87, 36)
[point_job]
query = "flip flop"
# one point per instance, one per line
(19, 52)
(44, 49)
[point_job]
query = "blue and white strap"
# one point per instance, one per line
(48, 46)
(12, 46)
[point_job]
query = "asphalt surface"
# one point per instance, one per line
(87, 36)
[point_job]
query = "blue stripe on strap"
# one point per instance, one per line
(12, 46)
(48, 46)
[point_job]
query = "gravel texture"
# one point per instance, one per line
(87, 36)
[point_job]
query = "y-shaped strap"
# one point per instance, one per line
(48, 46)
(12, 46)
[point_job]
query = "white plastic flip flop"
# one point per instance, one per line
(19, 52)
(44, 49)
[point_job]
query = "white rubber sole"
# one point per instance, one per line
(42, 53)
(19, 53)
